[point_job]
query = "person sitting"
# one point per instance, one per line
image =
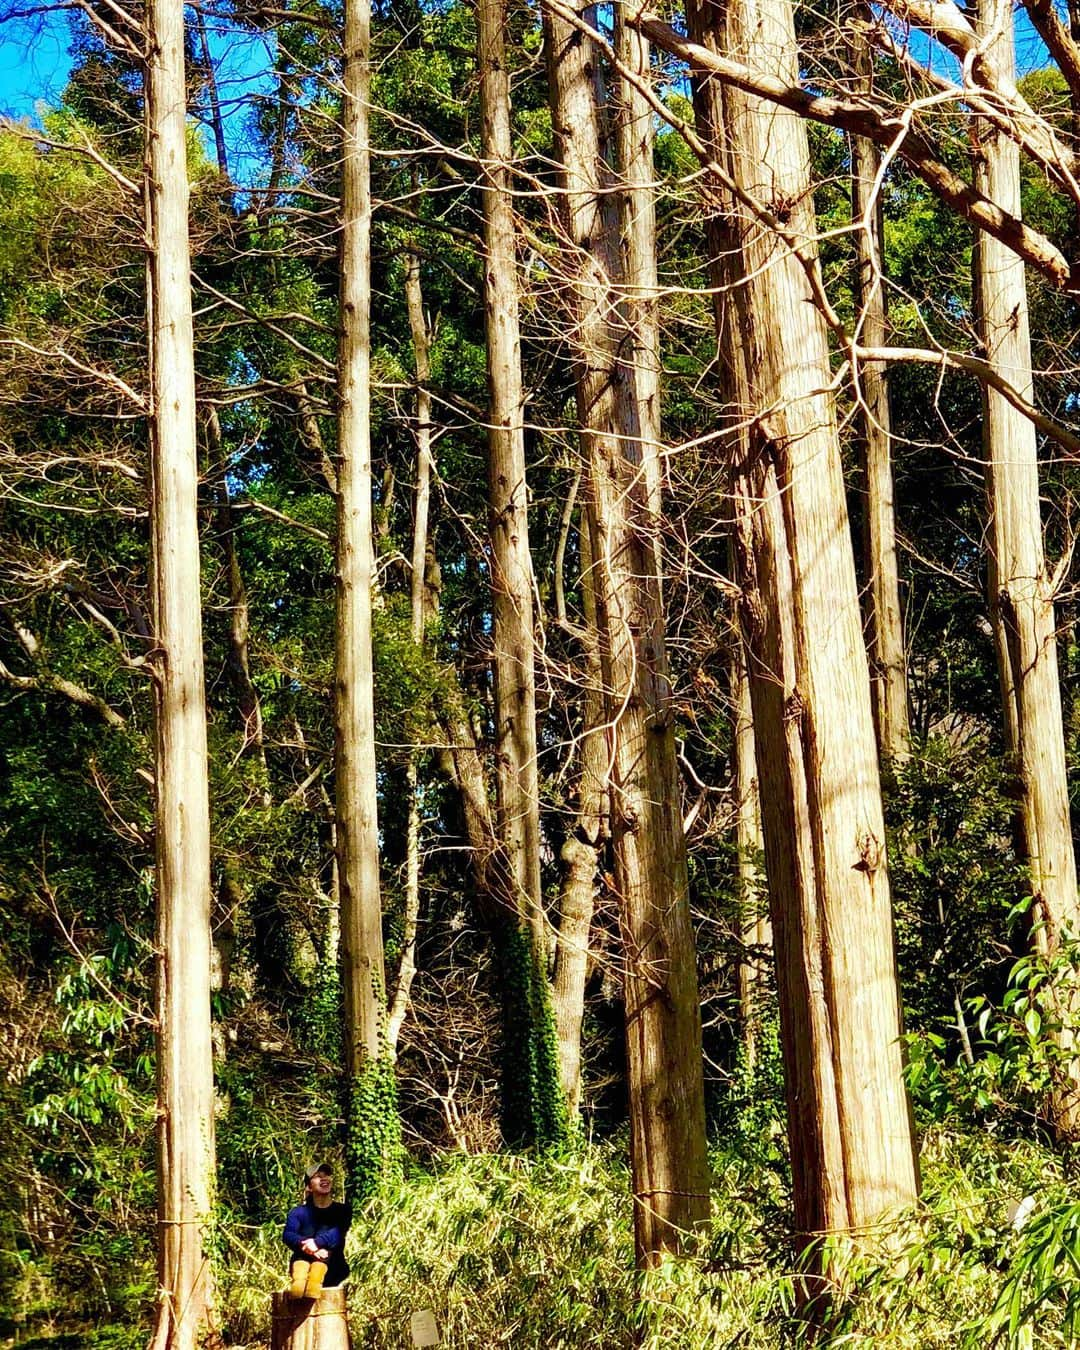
(315, 1234)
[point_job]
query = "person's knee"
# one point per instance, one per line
(316, 1276)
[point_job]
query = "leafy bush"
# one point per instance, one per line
(537, 1253)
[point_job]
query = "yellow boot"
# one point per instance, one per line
(299, 1280)
(316, 1275)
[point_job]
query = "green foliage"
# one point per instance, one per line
(539, 1249)
(948, 1274)
(751, 1108)
(93, 1074)
(270, 1122)
(956, 880)
(42, 198)
(534, 1111)
(1022, 1055)
(1043, 1282)
(318, 1014)
(960, 895)
(373, 1130)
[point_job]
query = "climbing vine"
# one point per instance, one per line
(534, 1110)
(373, 1129)
(318, 1016)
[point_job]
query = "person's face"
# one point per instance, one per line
(322, 1183)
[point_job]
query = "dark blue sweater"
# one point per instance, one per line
(327, 1226)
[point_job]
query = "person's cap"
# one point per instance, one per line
(317, 1167)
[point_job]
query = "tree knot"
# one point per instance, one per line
(870, 852)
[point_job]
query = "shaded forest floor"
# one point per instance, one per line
(537, 1253)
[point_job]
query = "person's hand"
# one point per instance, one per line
(308, 1247)
(322, 1254)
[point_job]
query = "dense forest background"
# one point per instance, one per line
(497, 1186)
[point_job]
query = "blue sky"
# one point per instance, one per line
(34, 67)
(33, 63)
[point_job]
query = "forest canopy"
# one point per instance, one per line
(539, 665)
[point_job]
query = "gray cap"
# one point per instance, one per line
(317, 1167)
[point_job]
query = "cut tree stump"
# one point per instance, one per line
(310, 1324)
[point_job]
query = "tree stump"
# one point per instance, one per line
(310, 1324)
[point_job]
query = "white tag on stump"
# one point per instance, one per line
(423, 1328)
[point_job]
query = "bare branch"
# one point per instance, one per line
(895, 134)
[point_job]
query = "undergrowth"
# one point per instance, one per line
(510, 1251)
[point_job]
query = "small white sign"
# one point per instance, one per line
(423, 1328)
(1020, 1211)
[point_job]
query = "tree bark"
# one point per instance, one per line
(580, 852)
(312, 438)
(210, 76)
(372, 1125)
(414, 301)
(1021, 599)
(848, 1121)
(855, 117)
(756, 929)
(533, 1109)
(724, 273)
(669, 1168)
(517, 776)
(182, 814)
(300, 1324)
(239, 660)
(888, 664)
(635, 138)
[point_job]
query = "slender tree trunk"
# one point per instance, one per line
(888, 665)
(330, 946)
(580, 852)
(247, 696)
(1022, 604)
(724, 271)
(372, 1125)
(414, 301)
(182, 814)
(635, 138)
(517, 778)
(271, 199)
(849, 1126)
(756, 928)
(312, 437)
(667, 1115)
(210, 76)
(268, 916)
(533, 1107)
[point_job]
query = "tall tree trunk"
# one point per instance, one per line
(849, 1127)
(888, 666)
(239, 660)
(1021, 600)
(267, 914)
(182, 813)
(756, 930)
(724, 271)
(210, 76)
(635, 138)
(414, 302)
(373, 1127)
(311, 436)
(517, 777)
(580, 852)
(663, 1021)
(535, 1111)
